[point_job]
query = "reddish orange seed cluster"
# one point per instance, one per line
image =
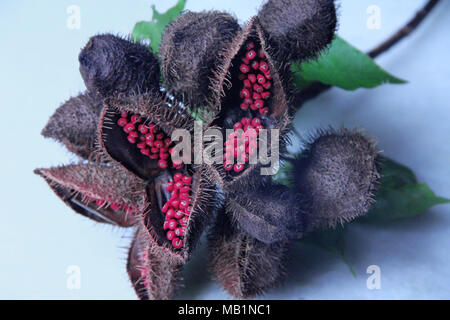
(241, 144)
(150, 140)
(256, 79)
(177, 209)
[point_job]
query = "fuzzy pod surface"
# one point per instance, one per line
(269, 214)
(298, 29)
(111, 65)
(190, 47)
(244, 266)
(337, 175)
(74, 124)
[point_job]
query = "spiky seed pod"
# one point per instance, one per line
(74, 124)
(153, 274)
(111, 65)
(102, 193)
(189, 51)
(153, 111)
(298, 29)
(270, 214)
(243, 265)
(249, 85)
(337, 175)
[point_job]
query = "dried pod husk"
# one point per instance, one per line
(298, 29)
(74, 124)
(337, 175)
(270, 213)
(189, 51)
(154, 110)
(238, 78)
(103, 193)
(111, 65)
(154, 275)
(204, 201)
(243, 265)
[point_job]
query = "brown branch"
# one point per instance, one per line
(316, 88)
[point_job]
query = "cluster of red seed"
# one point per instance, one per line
(241, 144)
(177, 209)
(152, 141)
(256, 79)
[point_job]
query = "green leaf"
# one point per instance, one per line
(400, 196)
(284, 174)
(343, 66)
(331, 240)
(152, 30)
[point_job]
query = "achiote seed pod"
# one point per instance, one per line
(337, 176)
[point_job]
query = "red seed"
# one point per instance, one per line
(166, 225)
(177, 177)
(153, 156)
(247, 83)
(177, 164)
(251, 54)
(184, 222)
(134, 134)
(131, 139)
(238, 167)
(256, 122)
(259, 104)
(252, 78)
(253, 107)
(172, 224)
(179, 232)
(245, 120)
(170, 187)
(255, 65)
(129, 127)
(178, 185)
(170, 235)
(124, 115)
(228, 166)
(149, 136)
(142, 129)
(170, 213)
(268, 75)
(250, 46)
(145, 151)
(244, 68)
(163, 155)
(160, 136)
(153, 128)
(237, 126)
(135, 118)
(248, 101)
(179, 214)
(265, 95)
(183, 204)
(261, 79)
(115, 206)
(267, 85)
(141, 145)
(165, 207)
(258, 88)
(184, 195)
(263, 66)
(154, 150)
(245, 60)
(122, 121)
(245, 93)
(242, 76)
(185, 189)
(187, 180)
(263, 111)
(162, 164)
(177, 243)
(99, 202)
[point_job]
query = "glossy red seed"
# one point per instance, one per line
(163, 155)
(142, 129)
(145, 151)
(258, 89)
(170, 235)
(259, 104)
(170, 187)
(160, 136)
(158, 144)
(253, 107)
(245, 93)
(263, 111)
(170, 213)
(122, 121)
(265, 95)
(149, 136)
(131, 139)
(178, 176)
(115, 206)
(256, 121)
(261, 79)
(261, 54)
(162, 164)
(252, 78)
(250, 46)
(124, 115)
(245, 120)
(267, 85)
(185, 189)
(250, 54)
(179, 232)
(248, 101)
(177, 243)
(245, 60)
(244, 106)
(187, 180)
(141, 145)
(228, 166)
(238, 167)
(268, 75)
(255, 65)
(165, 207)
(179, 214)
(100, 202)
(237, 126)
(166, 225)
(129, 127)
(172, 224)
(263, 66)
(153, 156)
(135, 118)
(244, 68)
(155, 150)
(247, 83)
(134, 134)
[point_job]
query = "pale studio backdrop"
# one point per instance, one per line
(40, 237)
